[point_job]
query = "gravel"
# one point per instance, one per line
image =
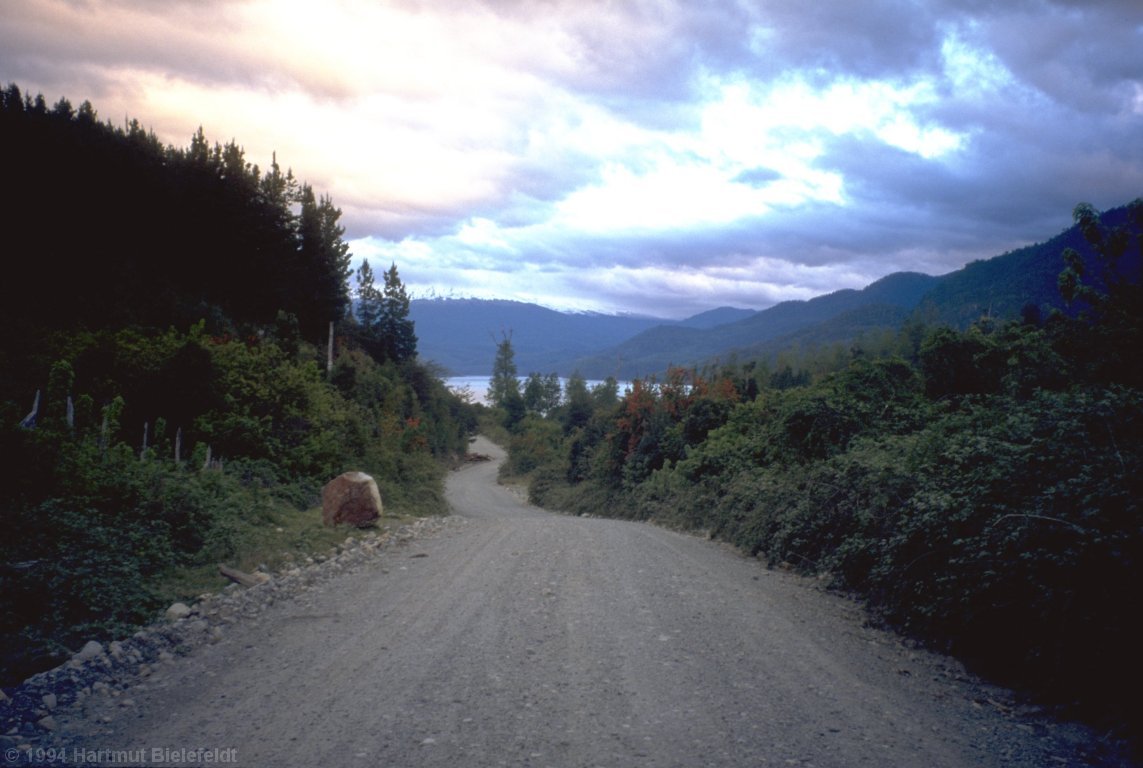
(505, 635)
(109, 671)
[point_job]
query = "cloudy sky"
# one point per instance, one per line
(660, 157)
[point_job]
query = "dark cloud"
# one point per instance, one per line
(881, 38)
(1085, 56)
(1044, 96)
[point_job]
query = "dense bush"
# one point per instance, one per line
(95, 519)
(181, 412)
(981, 491)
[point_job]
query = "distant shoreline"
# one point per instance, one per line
(478, 385)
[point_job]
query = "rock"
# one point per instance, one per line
(50, 701)
(351, 498)
(47, 723)
(90, 650)
(178, 611)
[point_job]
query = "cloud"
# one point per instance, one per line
(1084, 57)
(634, 155)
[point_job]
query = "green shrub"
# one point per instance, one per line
(94, 521)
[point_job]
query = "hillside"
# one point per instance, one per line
(461, 334)
(1000, 287)
(716, 317)
(847, 328)
(656, 350)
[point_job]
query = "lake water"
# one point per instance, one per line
(478, 385)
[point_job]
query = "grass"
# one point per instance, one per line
(285, 535)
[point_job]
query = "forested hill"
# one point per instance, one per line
(1024, 280)
(461, 334)
(167, 402)
(108, 227)
(656, 350)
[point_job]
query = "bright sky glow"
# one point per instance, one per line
(663, 158)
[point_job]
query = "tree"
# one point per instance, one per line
(605, 394)
(1109, 296)
(954, 363)
(396, 327)
(578, 405)
(503, 385)
(383, 325)
(278, 189)
(368, 299)
(321, 270)
(368, 311)
(335, 257)
(542, 393)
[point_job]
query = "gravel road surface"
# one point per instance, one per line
(521, 638)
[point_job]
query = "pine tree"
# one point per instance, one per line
(368, 314)
(396, 327)
(321, 271)
(278, 189)
(336, 258)
(368, 299)
(503, 386)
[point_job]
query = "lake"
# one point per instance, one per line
(478, 385)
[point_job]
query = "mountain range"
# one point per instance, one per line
(461, 334)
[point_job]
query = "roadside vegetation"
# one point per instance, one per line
(168, 402)
(979, 489)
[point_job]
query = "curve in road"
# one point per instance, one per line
(519, 637)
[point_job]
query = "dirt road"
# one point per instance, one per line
(523, 638)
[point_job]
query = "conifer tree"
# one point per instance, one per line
(368, 313)
(396, 327)
(321, 271)
(368, 299)
(503, 386)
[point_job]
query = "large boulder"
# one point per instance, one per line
(351, 498)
